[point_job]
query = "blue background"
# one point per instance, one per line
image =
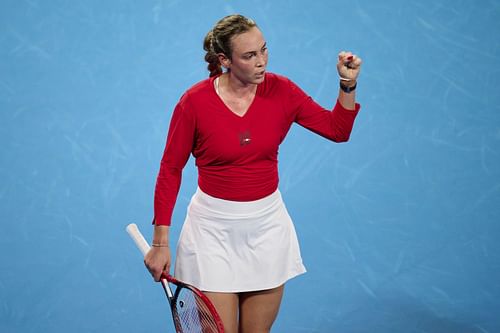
(399, 227)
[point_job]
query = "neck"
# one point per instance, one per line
(235, 86)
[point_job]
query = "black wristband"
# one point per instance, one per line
(347, 89)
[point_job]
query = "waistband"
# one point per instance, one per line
(205, 204)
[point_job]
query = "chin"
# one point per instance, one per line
(260, 79)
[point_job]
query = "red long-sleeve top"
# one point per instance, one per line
(237, 156)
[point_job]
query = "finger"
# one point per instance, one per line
(157, 276)
(348, 62)
(163, 271)
(358, 62)
(344, 56)
(354, 62)
(166, 268)
(155, 273)
(341, 55)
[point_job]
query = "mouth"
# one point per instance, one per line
(260, 73)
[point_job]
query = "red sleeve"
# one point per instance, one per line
(334, 125)
(179, 145)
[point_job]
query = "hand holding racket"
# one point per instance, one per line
(192, 311)
(158, 258)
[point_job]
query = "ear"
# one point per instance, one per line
(224, 61)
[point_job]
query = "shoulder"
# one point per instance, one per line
(273, 79)
(279, 84)
(276, 83)
(200, 91)
(201, 86)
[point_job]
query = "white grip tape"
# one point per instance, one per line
(138, 238)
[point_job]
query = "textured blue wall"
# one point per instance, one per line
(399, 228)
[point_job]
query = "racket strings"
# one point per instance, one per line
(194, 316)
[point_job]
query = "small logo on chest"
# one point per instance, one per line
(245, 138)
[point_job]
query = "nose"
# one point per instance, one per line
(261, 60)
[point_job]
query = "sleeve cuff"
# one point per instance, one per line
(339, 106)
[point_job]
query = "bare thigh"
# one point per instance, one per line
(259, 309)
(226, 305)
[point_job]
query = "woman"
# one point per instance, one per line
(238, 243)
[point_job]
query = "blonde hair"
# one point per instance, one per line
(218, 40)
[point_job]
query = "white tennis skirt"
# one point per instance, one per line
(232, 246)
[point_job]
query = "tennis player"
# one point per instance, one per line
(238, 243)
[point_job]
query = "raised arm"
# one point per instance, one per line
(348, 67)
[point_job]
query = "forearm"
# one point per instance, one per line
(348, 68)
(157, 260)
(347, 100)
(161, 235)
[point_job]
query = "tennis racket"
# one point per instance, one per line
(192, 311)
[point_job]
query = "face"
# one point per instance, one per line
(249, 58)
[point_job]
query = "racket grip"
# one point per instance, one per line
(138, 238)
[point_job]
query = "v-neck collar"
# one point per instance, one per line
(212, 84)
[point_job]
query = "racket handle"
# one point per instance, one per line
(138, 238)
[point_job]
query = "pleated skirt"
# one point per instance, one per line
(231, 246)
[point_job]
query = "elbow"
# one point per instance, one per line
(340, 131)
(344, 137)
